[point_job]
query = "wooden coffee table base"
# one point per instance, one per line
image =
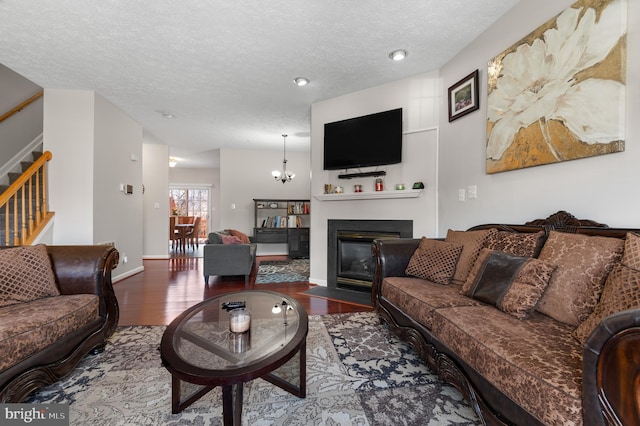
(201, 352)
(232, 395)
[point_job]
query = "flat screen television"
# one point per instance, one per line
(370, 140)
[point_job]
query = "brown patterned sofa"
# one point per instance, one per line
(56, 305)
(534, 324)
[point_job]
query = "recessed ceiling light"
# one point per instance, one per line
(398, 55)
(301, 81)
(166, 114)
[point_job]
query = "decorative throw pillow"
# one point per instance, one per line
(26, 275)
(631, 256)
(621, 292)
(214, 238)
(244, 239)
(472, 242)
(583, 262)
(434, 261)
(230, 239)
(513, 284)
(516, 243)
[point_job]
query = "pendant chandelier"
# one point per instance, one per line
(283, 176)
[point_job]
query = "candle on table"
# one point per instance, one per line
(239, 320)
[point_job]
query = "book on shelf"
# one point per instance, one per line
(298, 208)
(291, 221)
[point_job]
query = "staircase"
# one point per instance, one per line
(23, 203)
(24, 212)
(25, 166)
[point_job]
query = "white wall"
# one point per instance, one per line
(118, 161)
(95, 147)
(602, 188)
(209, 178)
(419, 98)
(24, 126)
(245, 175)
(155, 176)
(18, 131)
(68, 133)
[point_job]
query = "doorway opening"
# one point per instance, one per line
(191, 202)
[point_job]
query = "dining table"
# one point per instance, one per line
(183, 230)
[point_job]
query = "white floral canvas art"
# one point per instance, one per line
(559, 93)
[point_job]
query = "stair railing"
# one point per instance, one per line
(26, 202)
(21, 106)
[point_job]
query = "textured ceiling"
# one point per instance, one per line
(225, 68)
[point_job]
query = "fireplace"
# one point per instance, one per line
(350, 263)
(355, 264)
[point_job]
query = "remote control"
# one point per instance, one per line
(233, 305)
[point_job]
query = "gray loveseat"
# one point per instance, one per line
(224, 259)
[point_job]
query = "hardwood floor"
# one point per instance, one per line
(169, 286)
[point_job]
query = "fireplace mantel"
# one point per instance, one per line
(407, 193)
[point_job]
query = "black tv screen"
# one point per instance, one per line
(370, 140)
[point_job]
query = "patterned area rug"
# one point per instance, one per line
(358, 373)
(283, 271)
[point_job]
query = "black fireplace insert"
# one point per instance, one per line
(350, 262)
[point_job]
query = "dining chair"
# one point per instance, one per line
(174, 235)
(187, 220)
(193, 234)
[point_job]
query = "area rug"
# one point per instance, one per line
(283, 271)
(358, 373)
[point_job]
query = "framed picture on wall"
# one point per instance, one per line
(463, 96)
(542, 109)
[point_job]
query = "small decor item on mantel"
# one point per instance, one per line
(379, 186)
(339, 190)
(399, 186)
(418, 185)
(357, 188)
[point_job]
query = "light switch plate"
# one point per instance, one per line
(472, 191)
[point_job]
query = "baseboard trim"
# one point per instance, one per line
(132, 272)
(349, 296)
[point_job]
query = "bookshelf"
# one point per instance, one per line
(283, 221)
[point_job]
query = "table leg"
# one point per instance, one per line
(301, 390)
(177, 402)
(232, 404)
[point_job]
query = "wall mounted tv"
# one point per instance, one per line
(370, 140)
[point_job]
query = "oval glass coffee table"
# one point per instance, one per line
(201, 352)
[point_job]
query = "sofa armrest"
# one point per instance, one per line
(87, 269)
(611, 370)
(82, 269)
(392, 257)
